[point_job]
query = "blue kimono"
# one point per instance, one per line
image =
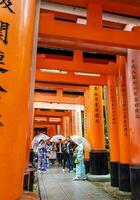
(42, 160)
(80, 166)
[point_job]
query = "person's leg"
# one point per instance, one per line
(78, 172)
(58, 156)
(83, 171)
(47, 161)
(44, 166)
(61, 159)
(53, 161)
(71, 162)
(64, 161)
(39, 163)
(68, 159)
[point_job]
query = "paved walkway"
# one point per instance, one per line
(58, 185)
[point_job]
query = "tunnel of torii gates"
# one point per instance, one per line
(85, 28)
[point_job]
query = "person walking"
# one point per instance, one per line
(79, 161)
(64, 155)
(59, 152)
(53, 150)
(42, 159)
(70, 150)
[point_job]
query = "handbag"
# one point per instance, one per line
(76, 161)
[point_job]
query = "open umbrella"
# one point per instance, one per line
(78, 139)
(37, 139)
(56, 138)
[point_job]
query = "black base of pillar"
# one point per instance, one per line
(114, 174)
(135, 181)
(29, 179)
(98, 162)
(87, 166)
(124, 177)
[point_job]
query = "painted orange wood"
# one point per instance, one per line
(86, 120)
(77, 66)
(124, 132)
(133, 83)
(96, 126)
(70, 78)
(71, 99)
(63, 86)
(51, 113)
(127, 7)
(16, 42)
(113, 120)
(67, 32)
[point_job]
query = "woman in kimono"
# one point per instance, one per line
(79, 161)
(42, 161)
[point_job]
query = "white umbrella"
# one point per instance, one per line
(37, 139)
(56, 138)
(78, 139)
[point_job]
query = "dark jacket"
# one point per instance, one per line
(58, 147)
(71, 147)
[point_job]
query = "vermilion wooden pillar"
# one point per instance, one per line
(133, 88)
(16, 43)
(32, 82)
(113, 130)
(124, 136)
(98, 156)
(86, 120)
(73, 122)
(86, 129)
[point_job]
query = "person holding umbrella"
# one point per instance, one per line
(79, 161)
(42, 159)
(38, 141)
(58, 139)
(83, 144)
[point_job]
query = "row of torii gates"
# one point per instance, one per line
(20, 74)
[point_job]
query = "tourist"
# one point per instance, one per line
(70, 150)
(53, 150)
(42, 161)
(59, 152)
(79, 161)
(64, 155)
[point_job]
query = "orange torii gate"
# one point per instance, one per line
(44, 85)
(50, 98)
(77, 65)
(91, 34)
(70, 78)
(51, 115)
(40, 113)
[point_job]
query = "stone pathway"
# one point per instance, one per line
(58, 185)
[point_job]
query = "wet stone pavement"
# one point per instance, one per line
(58, 185)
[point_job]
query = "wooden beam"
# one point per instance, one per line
(42, 85)
(125, 7)
(111, 69)
(63, 31)
(46, 123)
(56, 106)
(41, 97)
(39, 113)
(52, 42)
(65, 57)
(70, 78)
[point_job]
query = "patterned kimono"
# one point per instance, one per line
(80, 166)
(42, 160)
